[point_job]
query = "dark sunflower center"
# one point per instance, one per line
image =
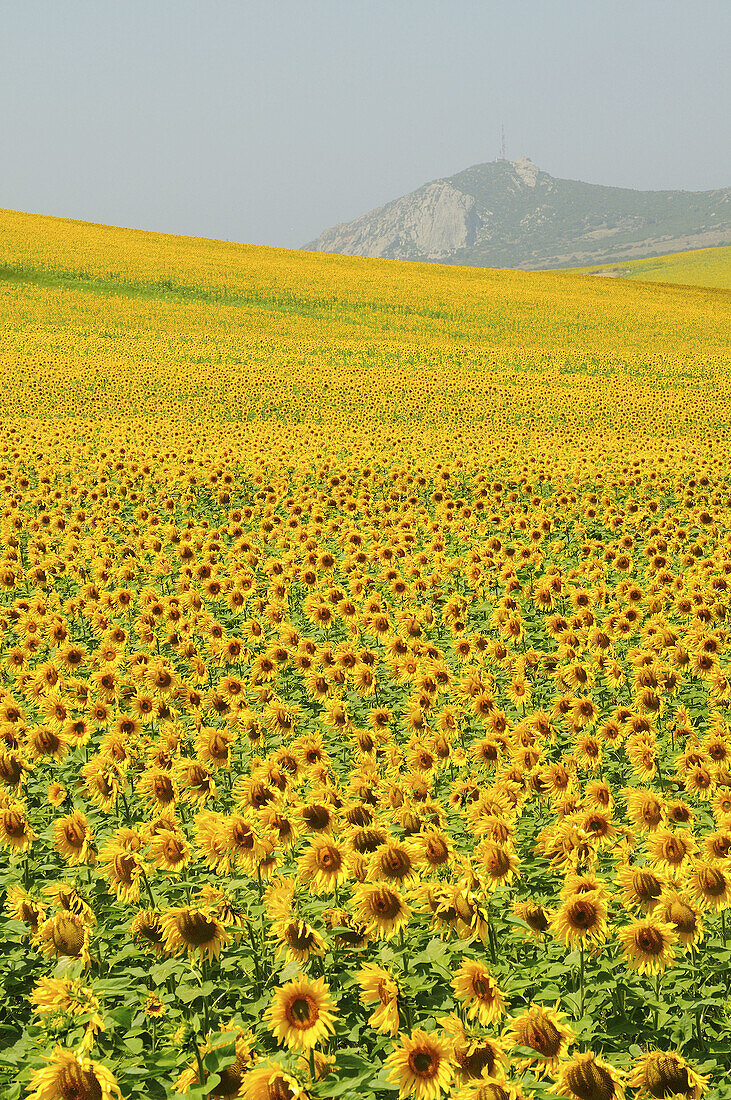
(386, 905)
(78, 1084)
(583, 915)
(544, 1037)
(195, 929)
(329, 859)
(666, 1078)
(302, 1012)
(590, 1082)
(683, 918)
(537, 920)
(396, 863)
(317, 817)
(646, 886)
(713, 883)
(650, 941)
(422, 1063)
(436, 852)
(477, 1062)
(68, 937)
(14, 824)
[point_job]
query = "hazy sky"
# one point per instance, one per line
(269, 120)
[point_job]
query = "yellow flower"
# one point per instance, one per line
(379, 987)
(543, 1030)
(474, 984)
(422, 1065)
(587, 1077)
(73, 1075)
(666, 1073)
(648, 945)
(582, 917)
(381, 910)
(195, 930)
(301, 1013)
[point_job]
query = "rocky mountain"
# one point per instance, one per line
(511, 214)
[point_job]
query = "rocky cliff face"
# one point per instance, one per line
(511, 214)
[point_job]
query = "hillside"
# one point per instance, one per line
(363, 627)
(118, 314)
(511, 214)
(702, 267)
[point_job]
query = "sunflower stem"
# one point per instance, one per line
(201, 1071)
(255, 951)
(312, 1063)
(723, 926)
(147, 887)
(581, 981)
(405, 957)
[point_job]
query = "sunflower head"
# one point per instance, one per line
(661, 1074)
(301, 1013)
(586, 1077)
(422, 1065)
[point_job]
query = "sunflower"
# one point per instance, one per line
(194, 930)
(671, 849)
(324, 865)
(66, 897)
(677, 909)
(56, 794)
(66, 936)
(537, 917)
(710, 883)
(477, 1056)
(393, 862)
(434, 849)
(70, 997)
(640, 887)
(497, 862)
(16, 833)
(147, 932)
(586, 1077)
(487, 1088)
(660, 1074)
(122, 869)
(474, 984)
(581, 917)
(381, 910)
(73, 1075)
(648, 945)
(231, 1075)
(170, 851)
(297, 939)
(645, 809)
(301, 1013)
(270, 1081)
(73, 838)
(19, 906)
(379, 987)
(422, 1065)
(543, 1030)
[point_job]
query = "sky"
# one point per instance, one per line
(267, 122)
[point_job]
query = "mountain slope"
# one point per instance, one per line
(511, 214)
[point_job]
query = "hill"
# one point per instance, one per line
(364, 625)
(512, 214)
(702, 267)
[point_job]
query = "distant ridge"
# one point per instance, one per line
(511, 214)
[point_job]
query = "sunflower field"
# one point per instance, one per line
(365, 646)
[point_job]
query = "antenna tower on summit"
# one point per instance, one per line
(502, 142)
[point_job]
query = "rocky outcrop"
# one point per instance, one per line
(512, 214)
(432, 223)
